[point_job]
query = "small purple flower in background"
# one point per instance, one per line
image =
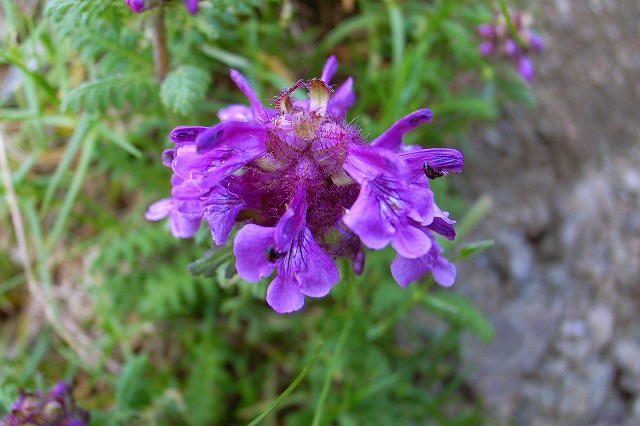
(499, 40)
(308, 189)
(140, 6)
(55, 408)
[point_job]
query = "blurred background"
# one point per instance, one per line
(540, 329)
(561, 283)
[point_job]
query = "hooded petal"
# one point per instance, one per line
(342, 100)
(236, 112)
(223, 162)
(243, 84)
(250, 248)
(444, 227)
(392, 138)
(237, 134)
(186, 134)
(283, 294)
(329, 70)
(366, 163)
(439, 159)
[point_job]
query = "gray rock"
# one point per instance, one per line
(626, 354)
(601, 324)
(635, 409)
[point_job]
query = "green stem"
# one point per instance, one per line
(504, 8)
(324, 393)
(289, 389)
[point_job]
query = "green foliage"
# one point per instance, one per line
(177, 340)
(101, 94)
(460, 311)
(131, 393)
(183, 88)
(205, 388)
(473, 249)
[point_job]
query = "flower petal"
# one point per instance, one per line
(364, 163)
(440, 159)
(291, 222)
(283, 294)
(443, 227)
(221, 209)
(159, 209)
(183, 228)
(366, 220)
(187, 160)
(244, 86)
(186, 134)
(237, 134)
(410, 242)
(136, 5)
(392, 138)
(250, 247)
(315, 270)
(444, 272)
(329, 70)
(343, 99)
(236, 112)
(192, 6)
(405, 271)
(190, 209)
(525, 68)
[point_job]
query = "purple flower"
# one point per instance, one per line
(306, 189)
(497, 39)
(140, 6)
(55, 408)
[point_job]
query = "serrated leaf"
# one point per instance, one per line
(183, 88)
(473, 249)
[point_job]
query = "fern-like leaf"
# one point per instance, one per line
(207, 381)
(99, 95)
(183, 88)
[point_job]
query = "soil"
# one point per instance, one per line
(561, 284)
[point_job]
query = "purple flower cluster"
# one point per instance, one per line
(140, 6)
(55, 408)
(499, 40)
(308, 189)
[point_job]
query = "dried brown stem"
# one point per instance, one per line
(160, 53)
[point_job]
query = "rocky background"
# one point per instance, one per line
(561, 284)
